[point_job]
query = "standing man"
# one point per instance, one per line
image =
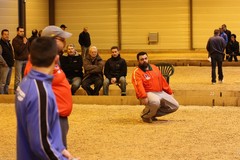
(85, 41)
(21, 55)
(6, 61)
(63, 27)
(93, 72)
(60, 85)
(38, 128)
(34, 36)
(152, 90)
(115, 71)
(228, 32)
(215, 47)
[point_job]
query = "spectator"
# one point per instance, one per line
(93, 72)
(233, 48)
(215, 47)
(85, 41)
(39, 33)
(223, 35)
(115, 71)
(6, 61)
(63, 27)
(34, 36)
(60, 85)
(152, 90)
(71, 63)
(20, 46)
(228, 32)
(38, 129)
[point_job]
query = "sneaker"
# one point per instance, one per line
(154, 119)
(147, 120)
(220, 81)
(213, 83)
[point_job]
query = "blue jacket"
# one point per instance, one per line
(38, 128)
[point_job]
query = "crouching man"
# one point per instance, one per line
(152, 90)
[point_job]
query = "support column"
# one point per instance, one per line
(191, 23)
(22, 14)
(119, 15)
(51, 12)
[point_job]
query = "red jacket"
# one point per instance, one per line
(61, 89)
(150, 81)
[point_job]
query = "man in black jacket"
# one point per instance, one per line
(72, 63)
(115, 71)
(85, 41)
(6, 61)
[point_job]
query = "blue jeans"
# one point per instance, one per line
(75, 82)
(217, 59)
(121, 83)
(19, 72)
(5, 78)
(85, 51)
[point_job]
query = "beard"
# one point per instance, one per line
(143, 66)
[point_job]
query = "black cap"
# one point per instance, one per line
(63, 26)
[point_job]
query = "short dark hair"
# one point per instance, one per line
(4, 30)
(114, 47)
(34, 32)
(216, 31)
(19, 28)
(43, 51)
(141, 54)
(234, 35)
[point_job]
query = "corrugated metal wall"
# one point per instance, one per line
(169, 18)
(209, 15)
(9, 16)
(36, 15)
(139, 17)
(99, 16)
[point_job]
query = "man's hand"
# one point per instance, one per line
(66, 154)
(143, 101)
(113, 80)
(24, 40)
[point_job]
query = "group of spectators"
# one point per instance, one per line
(43, 98)
(222, 42)
(83, 69)
(232, 45)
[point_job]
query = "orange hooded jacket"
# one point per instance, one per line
(61, 89)
(150, 81)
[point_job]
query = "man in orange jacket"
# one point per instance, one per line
(60, 85)
(152, 90)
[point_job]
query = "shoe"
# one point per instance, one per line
(220, 81)
(154, 119)
(147, 120)
(213, 83)
(123, 94)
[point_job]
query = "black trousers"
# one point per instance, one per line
(97, 81)
(216, 59)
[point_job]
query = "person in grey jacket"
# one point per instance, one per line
(93, 72)
(215, 47)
